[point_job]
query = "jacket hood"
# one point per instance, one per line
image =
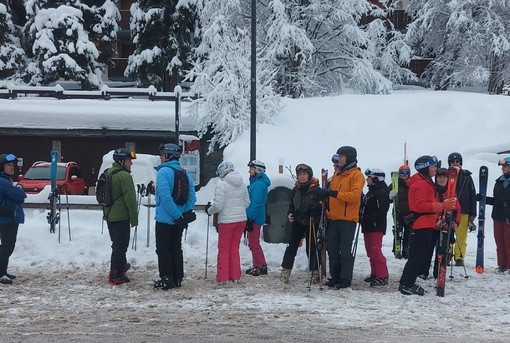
(234, 178)
(261, 177)
(171, 163)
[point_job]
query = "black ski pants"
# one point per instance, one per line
(340, 245)
(119, 234)
(8, 234)
(420, 256)
(169, 251)
(310, 233)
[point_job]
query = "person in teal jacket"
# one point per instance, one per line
(173, 214)
(122, 215)
(11, 214)
(256, 215)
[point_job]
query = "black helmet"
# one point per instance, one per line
(422, 163)
(6, 158)
(455, 156)
(121, 154)
(171, 150)
(306, 168)
(349, 151)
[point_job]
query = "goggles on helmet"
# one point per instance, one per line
(431, 162)
(504, 161)
(335, 158)
(11, 158)
(405, 172)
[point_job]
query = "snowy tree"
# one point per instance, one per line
(469, 40)
(11, 56)
(222, 76)
(60, 45)
(165, 33)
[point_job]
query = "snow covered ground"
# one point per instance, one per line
(61, 293)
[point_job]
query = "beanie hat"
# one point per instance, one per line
(375, 174)
(349, 152)
(442, 172)
(455, 156)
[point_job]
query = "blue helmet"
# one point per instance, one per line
(121, 154)
(171, 150)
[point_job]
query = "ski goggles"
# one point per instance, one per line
(132, 155)
(504, 161)
(431, 162)
(10, 158)
(335, 158)
(405, 172)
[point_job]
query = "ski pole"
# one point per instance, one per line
(149, 190)
(68, 218)
(207, 245)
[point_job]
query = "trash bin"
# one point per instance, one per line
(277, 228)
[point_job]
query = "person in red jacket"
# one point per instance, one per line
(424, 202)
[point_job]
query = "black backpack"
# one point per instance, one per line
(104, 188)
(180, 193)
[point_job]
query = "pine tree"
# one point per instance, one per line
(60, 44)
(11, 56)
(165, 33)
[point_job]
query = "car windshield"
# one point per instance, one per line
(43, 173)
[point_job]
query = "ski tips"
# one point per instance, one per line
(479, 269)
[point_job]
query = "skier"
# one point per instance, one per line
(404, 217)
(500, 202)
(376, 204)
(122, 215)
(344, 192)
(424, 202)
(171, 216)
(256, 214)
(230, 202)
(11, 214)
(466, 195)
(304, 214)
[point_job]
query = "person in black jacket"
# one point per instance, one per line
(500, 202)
(304, 214)
(11, 214)
(373, 222)
(466, 194)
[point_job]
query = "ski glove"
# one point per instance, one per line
(449, 204)
(181, 223)
(393, 194)
(314, 210)
(249, 225)
(324, 193)
(207, 207)
(190, 216)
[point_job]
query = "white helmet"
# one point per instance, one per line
(259, 166)
(375, 173)
(224, 168)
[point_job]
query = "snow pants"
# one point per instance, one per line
(8, 234)
(229, 260)
(502, 238)
(373, 246)
(254, 244)
(169, 251)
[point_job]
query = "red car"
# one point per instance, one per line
(69, 178)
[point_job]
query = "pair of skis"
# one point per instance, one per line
(54, 198)
(398, 230)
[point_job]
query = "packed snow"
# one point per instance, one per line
(62, 294)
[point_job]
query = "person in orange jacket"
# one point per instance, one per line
(344, 196)
(425, 203)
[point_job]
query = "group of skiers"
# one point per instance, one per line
(420, 203)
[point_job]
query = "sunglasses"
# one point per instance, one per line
(454, 161)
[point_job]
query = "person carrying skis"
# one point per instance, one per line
(304, 214)
(500, 202)
(344, 196)
(256, 213)
(424, 202)
(404, 217)
(172, 215)
(466, 194)
(122, 215)
(230, 202)
(11, 214)
(376, 204)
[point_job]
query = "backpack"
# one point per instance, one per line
(104, 188)
(180, 193)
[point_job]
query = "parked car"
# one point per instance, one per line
(69, 178)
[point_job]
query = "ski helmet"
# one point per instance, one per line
(442, 172)
(422, 163)
(504, 161)
(172, 151)
(455, 156)
(224, 168)
(404, 170)
(6, 158)
(350, 152)
(121, 154)
(306, 168)
(375, 174)
(259, 166)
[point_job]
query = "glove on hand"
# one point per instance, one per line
(207, 207)
(314, 209)
(181, 223)
(452, 237)
(471, 226)
(190, 216)
(324, 193)
(249, 225)
(393, 194)
(478, 197)
(449, 204)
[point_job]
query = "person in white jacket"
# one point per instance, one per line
(230, 202)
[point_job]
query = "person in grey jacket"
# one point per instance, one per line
(11, 214)
(230, 202)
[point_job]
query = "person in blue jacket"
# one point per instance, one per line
(11, 214)
(256, 215)
(173, 214)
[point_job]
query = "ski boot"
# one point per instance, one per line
(285, 276)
